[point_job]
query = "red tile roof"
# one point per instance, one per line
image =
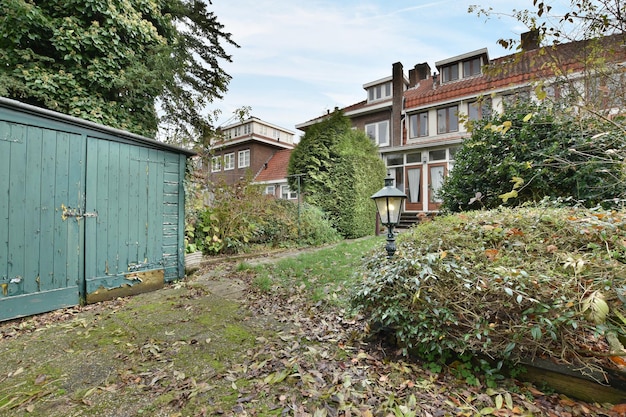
(276, 168)
(512, 70)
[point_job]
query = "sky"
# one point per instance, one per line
(299, 58)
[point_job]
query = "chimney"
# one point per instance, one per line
(530, 40)
(418, 73)
(397, 81)
(423, 70)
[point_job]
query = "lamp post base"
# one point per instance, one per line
(391, 243)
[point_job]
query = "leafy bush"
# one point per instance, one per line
(530, 152)
(356, 176)
(241, 216)
(507, 283)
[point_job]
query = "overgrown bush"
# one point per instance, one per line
(241, 216)
(507, 283)
(532, 151)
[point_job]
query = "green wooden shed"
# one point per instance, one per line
(87, 212)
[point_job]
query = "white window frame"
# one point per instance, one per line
(285, 191)
(379, 92)
(216, 164)
(270, 190)
(229, 161)
(243, 158)
(472, 67)
(247, 128)
(373, 130)
(450, 73)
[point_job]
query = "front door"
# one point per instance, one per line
(436, 175)
(414, 201)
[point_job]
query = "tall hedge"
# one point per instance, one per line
(339, 170)
(358, 174)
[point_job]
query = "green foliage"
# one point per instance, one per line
(109, 62)
(314, 155)
(506, 283)
(341, 170)
(542, 153)
(241, 216)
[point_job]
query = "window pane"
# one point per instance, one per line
(454, 72)
(441, 121)
(371, 131)
(453, 116)
(394, 159)
(413, 186)
(445, 74)
(453, 150)
(473, 111)
(423, 124)
(438, 155)
(383, 133)
(413, 125)
(436, 181)
(414, 158)
(244, 158)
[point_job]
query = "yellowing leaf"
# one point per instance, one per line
(505, 197)
(596, 308)
(499, 401)
(528, 117)
(517, 182)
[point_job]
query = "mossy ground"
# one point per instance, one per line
(154, 354)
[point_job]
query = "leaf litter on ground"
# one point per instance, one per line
(181, 352)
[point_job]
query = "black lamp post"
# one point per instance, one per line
(389, 204)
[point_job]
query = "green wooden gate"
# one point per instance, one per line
(132, 217)
(41, 173)
(85, 214)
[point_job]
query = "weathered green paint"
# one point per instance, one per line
(40, 251)
(83, 209)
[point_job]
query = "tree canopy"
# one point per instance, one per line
(115, 62)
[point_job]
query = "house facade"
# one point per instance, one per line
(418, 121)
(253, 149)
(244, 148)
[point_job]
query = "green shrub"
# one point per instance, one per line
(530, 152)
(507, 283)
(241, 216)
(338, 169)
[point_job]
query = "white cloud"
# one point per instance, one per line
(298, 59)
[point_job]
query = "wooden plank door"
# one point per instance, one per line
(41, 188)
(124, 236)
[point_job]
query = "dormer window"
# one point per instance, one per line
(471, 67)
(450, 73)
(462, 66)
(379, 92)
